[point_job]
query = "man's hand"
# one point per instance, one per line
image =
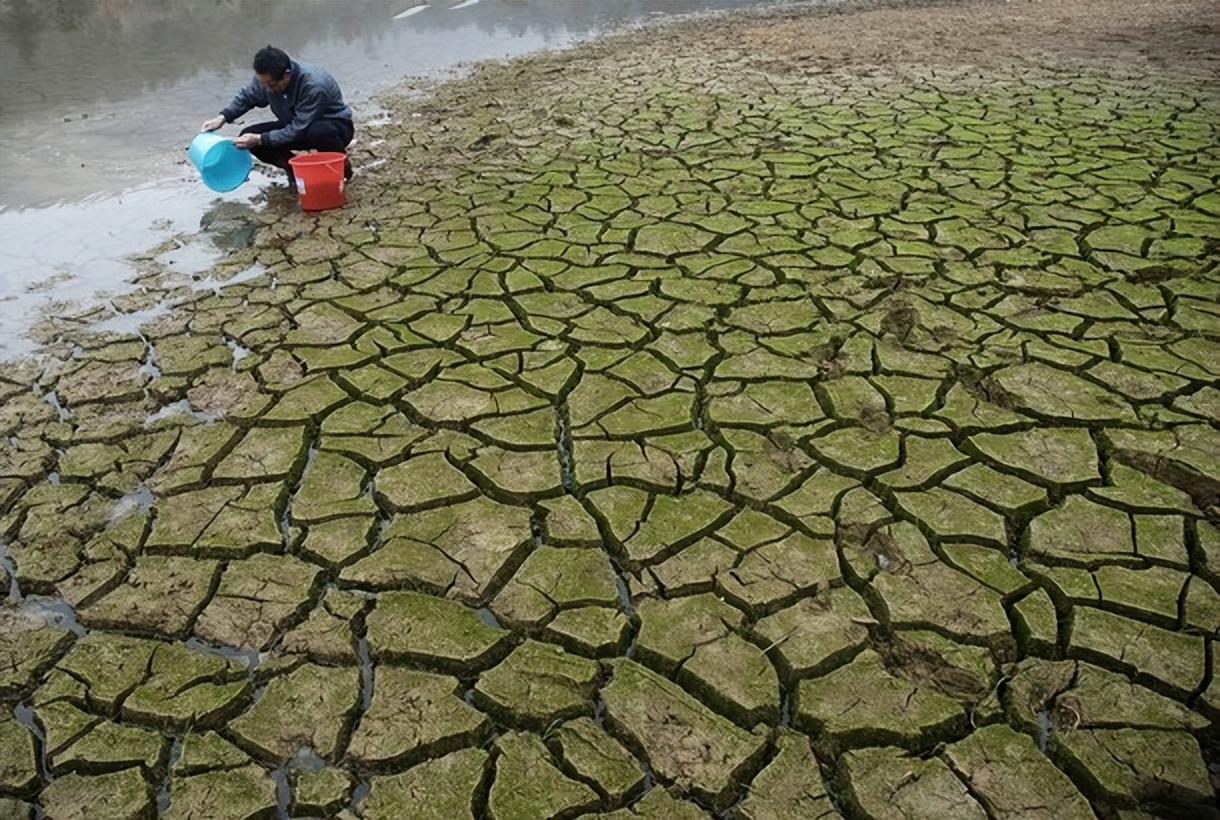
(213, 124)
(248, 140)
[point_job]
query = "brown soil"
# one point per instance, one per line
(1168, 34)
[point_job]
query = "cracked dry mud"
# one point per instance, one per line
(773, 417)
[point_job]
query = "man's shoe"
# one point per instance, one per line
(347, 169)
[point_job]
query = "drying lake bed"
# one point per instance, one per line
(799, 413)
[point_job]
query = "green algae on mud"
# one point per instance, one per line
(722, 435)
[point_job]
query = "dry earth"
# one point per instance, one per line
(779, 416)
(1175, 34)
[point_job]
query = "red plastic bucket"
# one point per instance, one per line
(319, 179)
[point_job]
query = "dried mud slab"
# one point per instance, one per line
(790, 785)
(272, 729)
(27, 649)
(413, 716)
(537, 686)
(599, 759)
(693, 638)
(1011, 778)
(657, 805)
(528, 785)
(553, 580)
(246, 791)
(120, 794)
(1139, 767)
(19, 772)
(862, 704)
(685, 742)
(715, 419)
(889, 785)
(440, 788)
(434, 631)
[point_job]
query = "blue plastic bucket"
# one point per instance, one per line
(222, 164)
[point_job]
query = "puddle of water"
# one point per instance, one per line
(366, 675)
(239, 353)
(563, 439)
(6, 563)
(213, 284)
(136, 502)
(129, 324)
(231, 225)
(488, 617)
(1045, 726)
(248, 656)
(63, 259)
(25, 716)
(182, 407)
(650, 778)
(163, 795)
(376, 537)
(52, 399)
(149, 365)
(53, 612)
(359, 794)
(624, 595)
(369, 488)
(283, 791)
(306, 760)
(787, 706)
(189, 257)
(623, 586)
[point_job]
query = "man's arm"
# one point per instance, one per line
(252, 96)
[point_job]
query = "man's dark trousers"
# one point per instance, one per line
(322, 135)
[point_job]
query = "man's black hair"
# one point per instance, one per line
(271, 62)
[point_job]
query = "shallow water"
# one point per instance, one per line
(95, 168)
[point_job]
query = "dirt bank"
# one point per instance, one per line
(1174, 34)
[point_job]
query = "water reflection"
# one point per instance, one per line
(61, 258)
(123, 47)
